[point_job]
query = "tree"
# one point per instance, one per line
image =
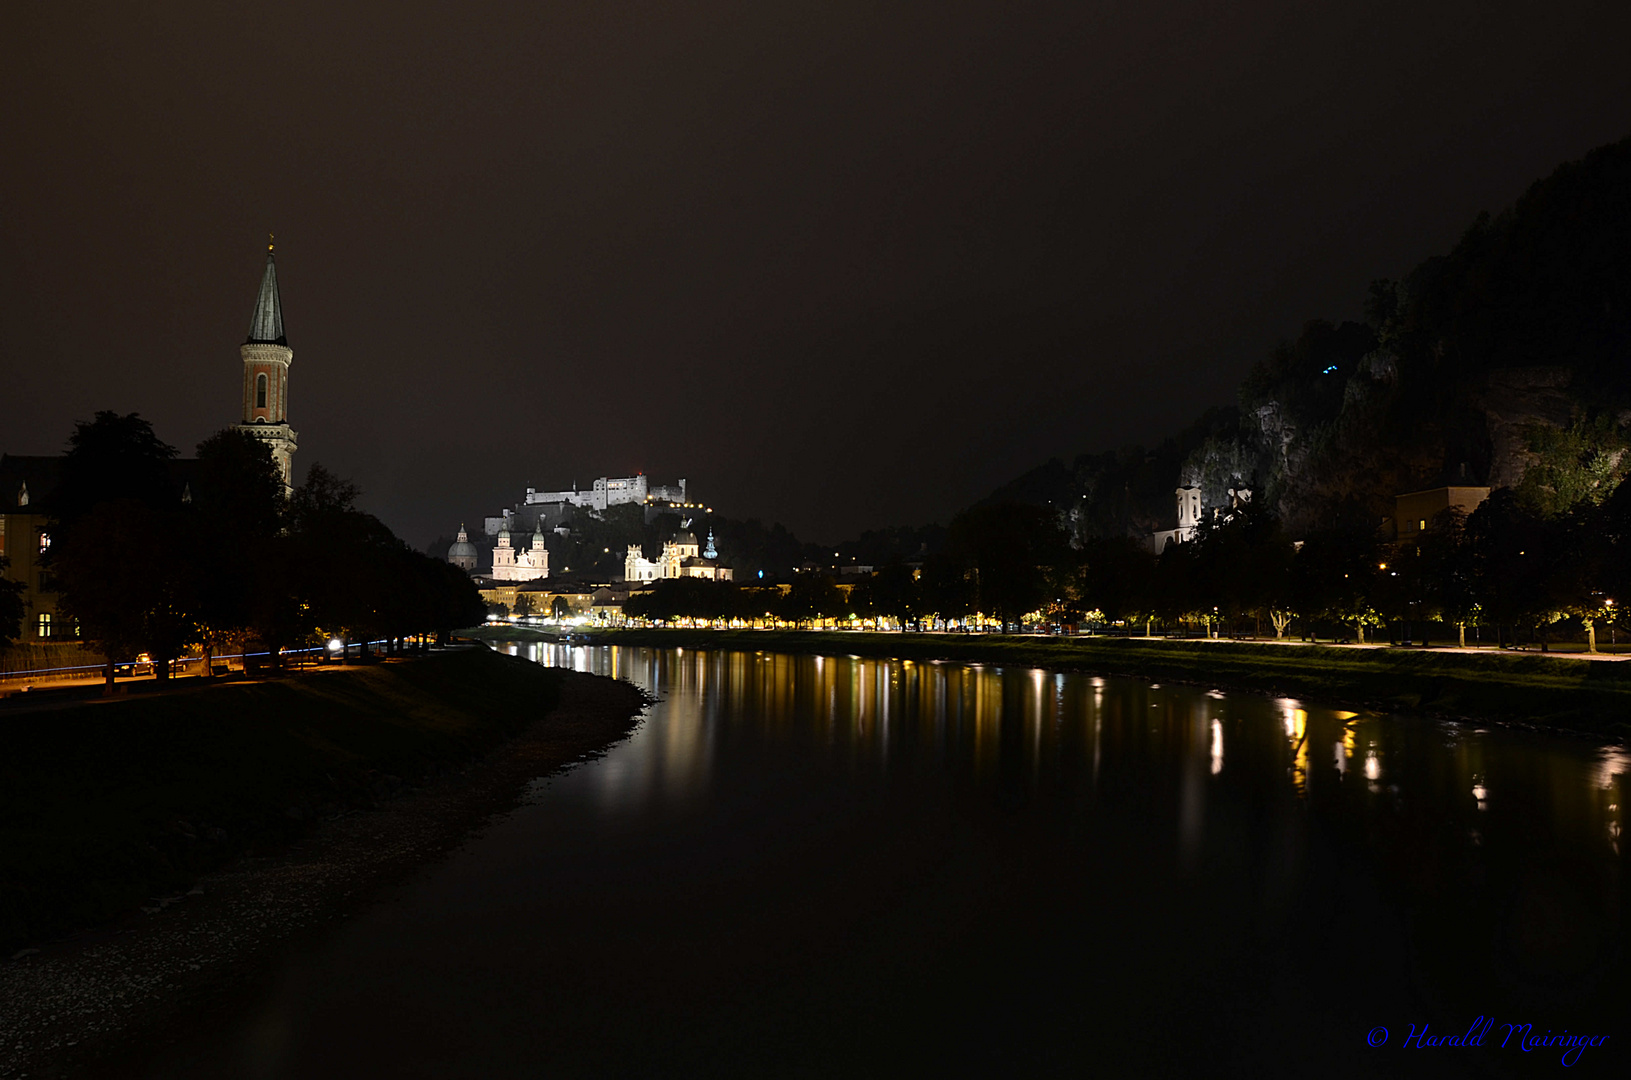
(862, 599)
(11, 606)
(1611, 540)
(120, 559)
(1243, 566)
(1172, 597)
(751, 547)
(1511, 551)
(340, 561)
(1014, 552)
(1333, 577)
(813, 596)
(1117, 577)
(687, 598)
(112, 457)
(1582, 563)
(895, 593)
(454, 599)
(237, 517)
(1448, 570)
(947, 587)
(123, 573)
(1579, 465)
(146, 564)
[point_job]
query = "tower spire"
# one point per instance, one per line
(266, 358)
(266, 326)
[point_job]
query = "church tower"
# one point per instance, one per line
(266, 355)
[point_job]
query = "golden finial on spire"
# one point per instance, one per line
(269, 239)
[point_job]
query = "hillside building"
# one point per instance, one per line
(463, 553)
(1191, 511)
(1413, 512)
(1189, 519)
(679, 558)
(510, 564)
(25, 540)
(607, 491)
(613, 491)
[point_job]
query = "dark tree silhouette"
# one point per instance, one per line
(237, 517)
(112, 457)
(1014, 553)
(11, 606)
(120, 558)
(126, 579)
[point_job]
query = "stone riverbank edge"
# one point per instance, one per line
(345, 781)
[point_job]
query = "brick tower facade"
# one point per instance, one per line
(266, 356)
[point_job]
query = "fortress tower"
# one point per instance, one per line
(266, 355)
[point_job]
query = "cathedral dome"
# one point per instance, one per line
(463, 552)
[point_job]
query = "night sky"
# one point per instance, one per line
(841, 265)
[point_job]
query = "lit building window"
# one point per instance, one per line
(1423, 525)
(45, 624)
(45, 542)
(260, 391)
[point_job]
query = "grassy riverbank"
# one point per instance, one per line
(1527, 688)
(106, 803)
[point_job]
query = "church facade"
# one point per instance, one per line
(25, 530)
(679, 558)
(463, 553)
(511, 564)
(1189, 520)
(1191, 513)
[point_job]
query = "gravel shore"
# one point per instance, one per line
(90, 1004)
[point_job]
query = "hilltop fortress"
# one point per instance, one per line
(521, 531)
(546, 509)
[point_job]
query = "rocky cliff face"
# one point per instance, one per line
(1511, 349)
(1516, 401)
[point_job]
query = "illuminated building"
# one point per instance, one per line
(266, 358)
(526, 564)
(463, 553)
(678, 559)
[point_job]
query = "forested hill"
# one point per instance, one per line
(1510, 351)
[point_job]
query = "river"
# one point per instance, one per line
(833, 866)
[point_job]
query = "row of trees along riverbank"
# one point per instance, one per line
(1515, 569)
(215, 557)
(1510, 687)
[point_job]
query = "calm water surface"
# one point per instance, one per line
(824, 866)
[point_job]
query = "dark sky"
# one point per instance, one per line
(840, 264)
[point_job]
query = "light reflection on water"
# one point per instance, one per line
(833, 866)
(1045, 730)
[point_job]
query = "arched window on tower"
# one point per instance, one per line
(260, 391)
